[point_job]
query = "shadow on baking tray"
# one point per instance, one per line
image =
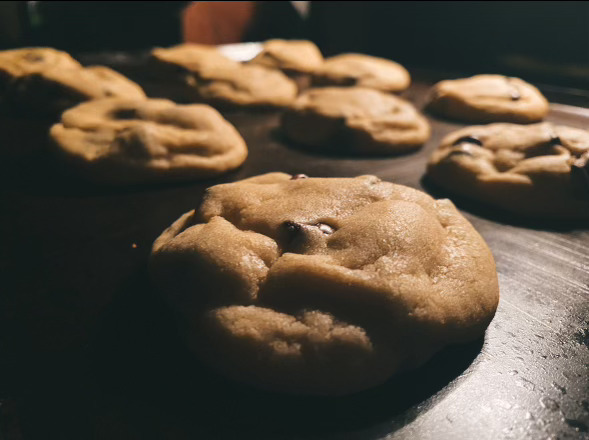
(139, 361)
(500, 216)
(338, 146)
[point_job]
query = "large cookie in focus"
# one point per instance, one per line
(119, 141)
(355, 121)
(363, 71)
(323, 285)
(488, 98)
(531, 170)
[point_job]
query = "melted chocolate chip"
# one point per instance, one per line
(461, 150)
(300, 237)
(299, 176)
(468, 140)
(293, 227)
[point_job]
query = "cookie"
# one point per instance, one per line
(290, 56)
(488, 98)
(245, 86)
(119, 141)
(207, 76)
(536, 170)
(43, 81)
(183, 59)
(363, 71)
(19, 62)
(55, 90)
(323, 286)
(355, 120)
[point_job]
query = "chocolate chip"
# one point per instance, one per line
(299, 176)
(293, 227)
(300, 237)
(461, 150)
(468, 140)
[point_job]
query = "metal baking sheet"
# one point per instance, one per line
(88, 350)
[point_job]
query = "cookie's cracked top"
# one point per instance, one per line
(124, 141)
(209, 76)
(20, 62)
(296, 56)
(360, 70)
(324, 286)
(538, 169)
(488, 98)
(355, 120)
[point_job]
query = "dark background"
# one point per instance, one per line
(542, 41)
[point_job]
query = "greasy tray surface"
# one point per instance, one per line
(89, 351)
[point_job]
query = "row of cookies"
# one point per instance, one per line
(273, 77)
(538, 169)
(109, 131)
(128, 141)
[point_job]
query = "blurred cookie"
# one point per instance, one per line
(54, 90)
(208, 76)
(323, 286)
(355, 120)
(531, 170)
(290, 56)
(488, 98)
(248, 86)
(182, 60)
(18, 62)
(44, 81)
(117, 141)
(363, 71)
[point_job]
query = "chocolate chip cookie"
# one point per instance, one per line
(119, 141)
(290, 56)
(19, 62)
(323, 285)
(43, 81)
(531, 170)
(205, 75)
(355, 120)
(488, 98)
(363, 71)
